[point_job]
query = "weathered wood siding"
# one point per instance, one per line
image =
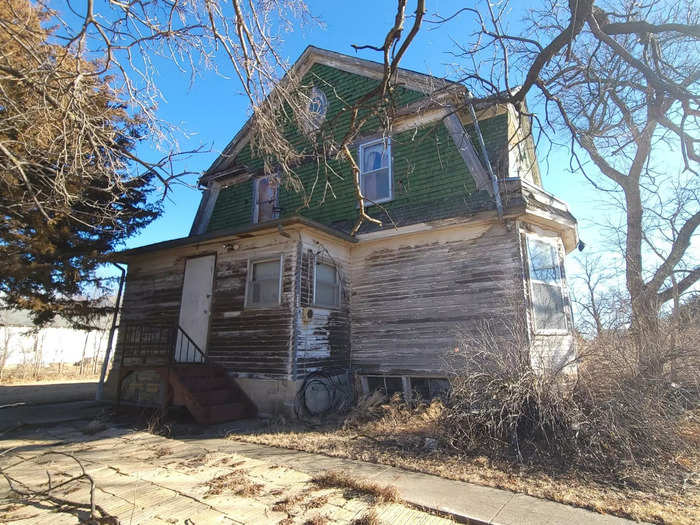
(322, 342)
(413, 294)
(253, 341)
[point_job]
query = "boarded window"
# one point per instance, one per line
(326, 286)
(546, 285)
(375, 171)
(264, 283)
(266, 199)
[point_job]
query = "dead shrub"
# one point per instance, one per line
(339, 479)
(611, 419)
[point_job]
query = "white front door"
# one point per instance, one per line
(195, 307)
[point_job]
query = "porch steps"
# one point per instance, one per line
(210, 394)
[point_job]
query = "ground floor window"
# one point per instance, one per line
(429, 387)
(386, 384)
(425, 388)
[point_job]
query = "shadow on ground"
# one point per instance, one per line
(42, 393)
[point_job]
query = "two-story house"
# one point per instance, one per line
(270, 286)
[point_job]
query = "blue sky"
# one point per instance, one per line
(213, 109)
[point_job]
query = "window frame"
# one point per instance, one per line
(316, 304)
(389, 168)
(247, 304)
(554, 243)
(317, 118)
(256, 204)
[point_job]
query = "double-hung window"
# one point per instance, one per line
(264, 282)
(546, 286)
(265, 197)
(326, 286)
(375, 171)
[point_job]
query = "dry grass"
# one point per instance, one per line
(397, 437)
(236, 482)
(318, 519)
(317, 502)
(343, 480)
(288, 503)
(161, 452)
(368, 518)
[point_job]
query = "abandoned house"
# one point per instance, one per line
(269, 288)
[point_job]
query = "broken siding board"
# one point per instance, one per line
(411, 300)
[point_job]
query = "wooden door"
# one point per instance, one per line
(195, 306)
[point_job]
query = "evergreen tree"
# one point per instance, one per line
(63, 208)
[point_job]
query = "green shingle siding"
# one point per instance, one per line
(430, 179)
(495, 133)
(234, 207)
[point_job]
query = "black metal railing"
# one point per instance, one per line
(186, 350)
(157, 345)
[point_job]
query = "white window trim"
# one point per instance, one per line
(554, 242)
(383, 140)
(256, 208)
(337, 276)
(249, 279)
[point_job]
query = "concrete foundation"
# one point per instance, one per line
(272, 397)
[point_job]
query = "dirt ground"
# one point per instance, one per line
(145, 478)
(41, 392)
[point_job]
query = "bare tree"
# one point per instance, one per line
(5, 348)
(620, 79)
(602, 307)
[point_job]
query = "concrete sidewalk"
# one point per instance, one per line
(465, 501)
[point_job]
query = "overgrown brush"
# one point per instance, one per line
(611, 419)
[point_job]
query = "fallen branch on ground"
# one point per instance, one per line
(97, 514)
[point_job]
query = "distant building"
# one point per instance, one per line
(23, 344)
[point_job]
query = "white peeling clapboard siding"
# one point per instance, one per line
(410, 302)
(323, 341)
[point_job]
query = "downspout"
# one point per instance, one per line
(494, 179)
(110, 339)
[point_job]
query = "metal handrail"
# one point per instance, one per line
(187, 354)
(167, 344)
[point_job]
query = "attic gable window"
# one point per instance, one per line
(375, 171)
(265, 199)
(317, 107)
(326, 285)
(546, 285)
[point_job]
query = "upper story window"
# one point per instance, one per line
(266, 199)
(326, 286)
(546, 285)
(375, 171)
(264, 282)
(318, 106)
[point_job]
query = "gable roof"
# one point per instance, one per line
(408, 78)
